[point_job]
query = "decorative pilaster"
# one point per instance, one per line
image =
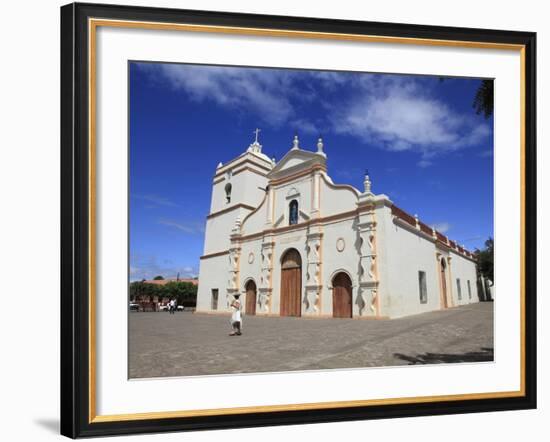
(313, 277)
(234, 262)
(233, 277)
(315, 197)
(451, 285)
(266, 276)
(367, 298)
(368, 274)
(269, 208)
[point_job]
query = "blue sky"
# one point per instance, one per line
(418, 136)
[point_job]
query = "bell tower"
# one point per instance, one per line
(238, 188)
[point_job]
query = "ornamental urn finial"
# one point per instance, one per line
(296, 143)
(367, 182)
(320, 145)
(237, 225)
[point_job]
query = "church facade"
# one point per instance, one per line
(291, 242)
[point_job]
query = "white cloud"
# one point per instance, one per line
(424, 163)
(304, 126)
(442, 227)
(155, 200)
(147, 267)
(190, 227)
(263, 92)
(399, 115)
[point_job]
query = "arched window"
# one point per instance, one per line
(293, 212)
(228, 193)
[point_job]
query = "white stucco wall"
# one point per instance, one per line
(406, 253)
(255, 221)
(244, 190)
(336, 198)
(212, 275)
(218, 230)
(464, 270)
(383, 230)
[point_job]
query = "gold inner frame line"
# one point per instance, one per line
(93, 24)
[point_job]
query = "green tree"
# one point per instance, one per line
(483, 101)
(484, 98)
(485, 259)
(158, 278)
(137, 288)
(184, 292)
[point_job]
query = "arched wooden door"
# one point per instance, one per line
(443, 268)
(250, 306)
(341, 296)
(291, 284)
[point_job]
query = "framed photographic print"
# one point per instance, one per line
(274, 220)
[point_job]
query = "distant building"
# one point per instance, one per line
(293, 243)
(193, 281)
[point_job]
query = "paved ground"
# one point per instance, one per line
(193, 344)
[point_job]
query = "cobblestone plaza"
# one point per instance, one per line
(190, 344)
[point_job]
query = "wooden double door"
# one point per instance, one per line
(341, 296)
(250, 301)
(291, 284)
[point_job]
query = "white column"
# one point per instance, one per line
(315, 195)
(268, 208)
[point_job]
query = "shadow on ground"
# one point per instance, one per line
(486, 354)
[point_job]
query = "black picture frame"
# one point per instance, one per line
(75, 221)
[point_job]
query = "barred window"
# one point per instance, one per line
(214, 304)
(469, 290)
(423, 291)
(458, 289)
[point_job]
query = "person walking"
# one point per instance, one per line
(236, 317)
(172, 306)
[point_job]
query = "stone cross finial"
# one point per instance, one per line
(255, 146)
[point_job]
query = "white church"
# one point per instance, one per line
(291, 242)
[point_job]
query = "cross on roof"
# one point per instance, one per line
(257, 131)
